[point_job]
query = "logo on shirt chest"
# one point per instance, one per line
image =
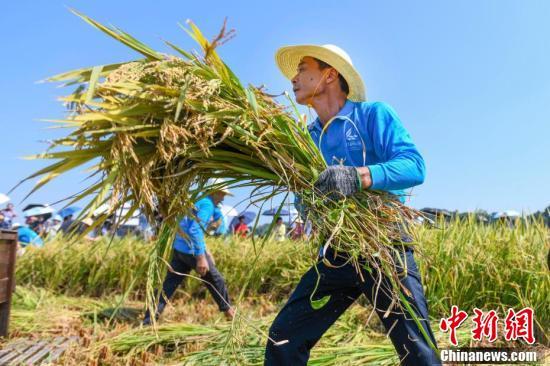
(351, 135)
(353, 141)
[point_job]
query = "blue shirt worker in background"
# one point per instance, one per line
(366, 147)
(190, 253)
(26, 236)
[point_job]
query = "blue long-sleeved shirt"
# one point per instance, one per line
(371, 134)
(194, 228)
(27, 236)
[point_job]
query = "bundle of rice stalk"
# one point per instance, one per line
(169, 336)
(234, 344)
(366, 354)
(154, 131)
(230, 344)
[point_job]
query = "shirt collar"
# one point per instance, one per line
(346, 110)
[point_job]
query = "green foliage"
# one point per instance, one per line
(487, 266)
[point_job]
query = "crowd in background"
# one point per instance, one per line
(37, 229)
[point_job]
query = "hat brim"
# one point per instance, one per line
(288, 58)
(225, 191)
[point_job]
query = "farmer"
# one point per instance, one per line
(241, 228)
(67, 224)
(9, 213)
(190, 253)
(279, 230)
(26, 236)
(298, 231)
(3, 223)
(55, 225)
(366, 147)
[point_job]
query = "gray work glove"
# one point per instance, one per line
(338, 181)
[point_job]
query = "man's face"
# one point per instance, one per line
(218, 197)
(308, 81)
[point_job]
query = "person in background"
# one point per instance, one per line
(67, 224)
(297, 232)
(3, 223)
(107, 228)
(279, 231)
(9, 213)
(84, 226)
(190, 253)
(55, 225)
(241, 228)
(32, 222)
(26, 236)
(36, 224)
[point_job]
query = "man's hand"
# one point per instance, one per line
(202, 267)
(339, 181)
(214, 225)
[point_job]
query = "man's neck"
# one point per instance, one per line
(328, 106)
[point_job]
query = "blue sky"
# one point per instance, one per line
(470, 79)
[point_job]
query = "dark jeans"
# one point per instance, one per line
(184, 263)
(303, 326)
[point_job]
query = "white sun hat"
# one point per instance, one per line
(218, 182)
(289, 57)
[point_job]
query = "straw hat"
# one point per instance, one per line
(218, 181)
(289, 57)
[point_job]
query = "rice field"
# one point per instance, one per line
(96, 291)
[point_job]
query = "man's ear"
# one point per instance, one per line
(332, 75)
